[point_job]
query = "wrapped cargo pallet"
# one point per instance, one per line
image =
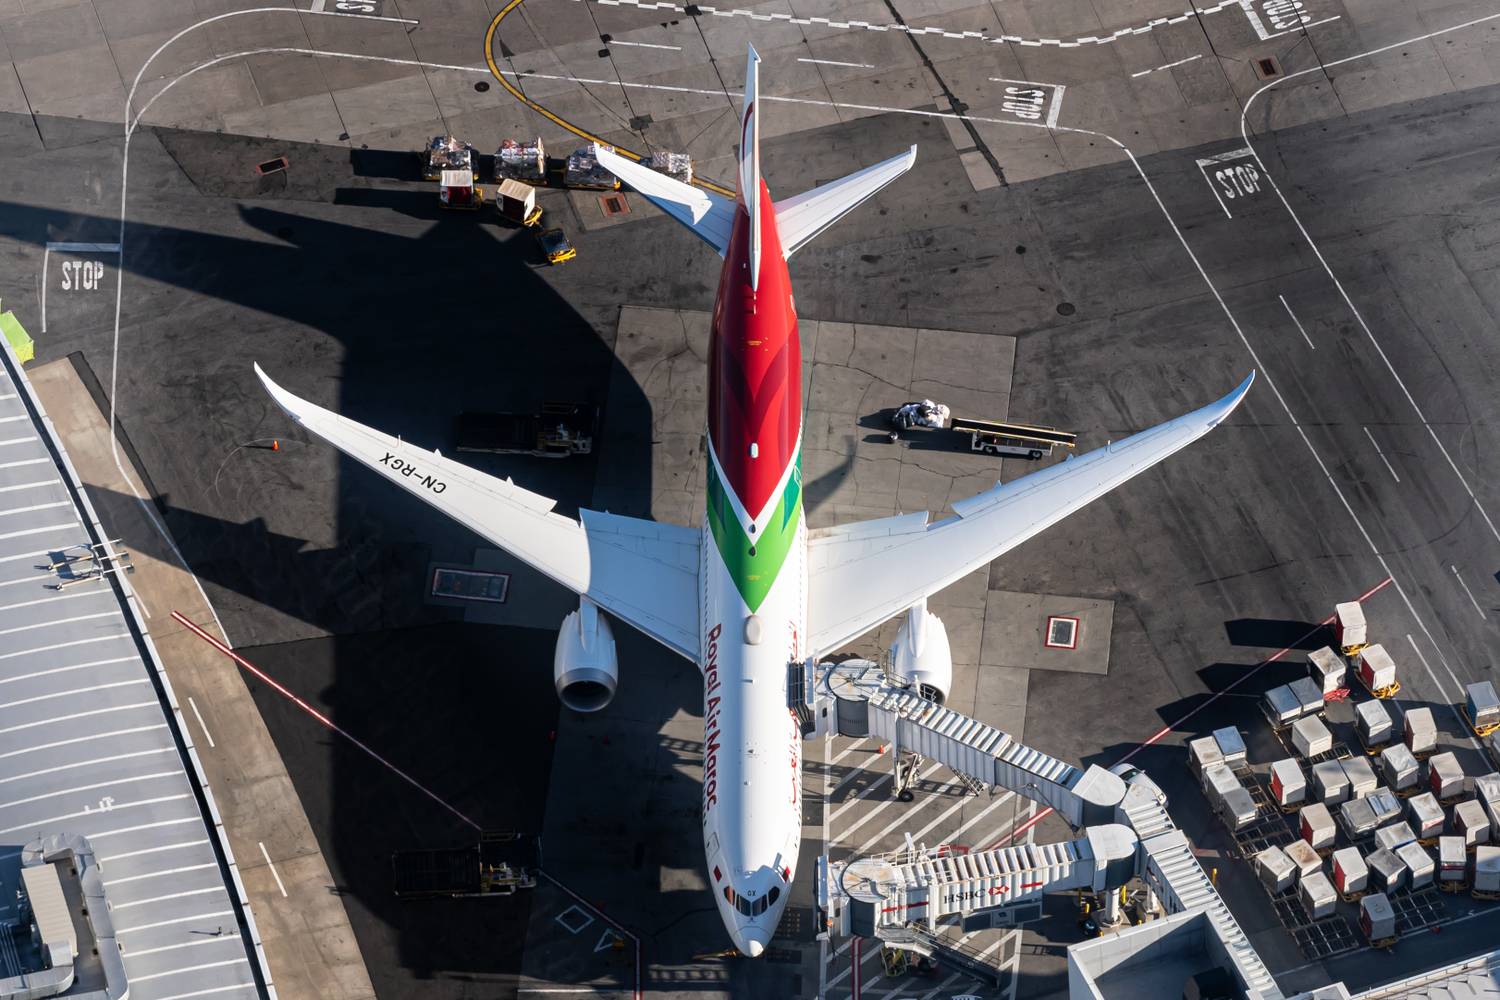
(1351, 875)
(1387, 872)
(1349, 627)
(1281, 707)
(1231, 746)
(1374, 724)
(584, 171)
(1316, 826)
(1276, 871)
(1326, 669)
(521, 161)
(1470, 823)
(1288, 784)
(1387, 806)
(1308, 695)
(675, 165)
(1303, 858)
(1361, 772)
(1377, 918)
(1204, 753)
(1330, 783)
(1358, 819)
(1317, 895)
(1484, 879)
(1419, 732)
(1393, 835)
(1311, 737)
(1418, 863)
(1377, 671)
(1453, 861)
(1426, 815)
(1487, 793)
(1445, 777)
(1483, 707)
(1400, 767)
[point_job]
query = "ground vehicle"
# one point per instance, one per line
(991, 436)
(555, 246)
(446, 153)
(559, 430)
(517, 202)
(498, 865)
(458, 190)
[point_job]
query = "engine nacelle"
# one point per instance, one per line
(584, 667)
(921, 655)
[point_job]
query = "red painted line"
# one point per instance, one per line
(1164, 730)
(854, 962)
(261, 675)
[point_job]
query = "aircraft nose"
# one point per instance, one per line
(752, 942)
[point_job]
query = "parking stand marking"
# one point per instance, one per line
(1239, 181)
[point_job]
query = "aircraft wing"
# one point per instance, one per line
(710, 217)
(863, 574)
(642, 572)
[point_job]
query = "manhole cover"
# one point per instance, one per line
(1066, 309)
(482, 86)
(1020, 249)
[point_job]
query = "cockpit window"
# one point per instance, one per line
(773, 895)
(745, 906)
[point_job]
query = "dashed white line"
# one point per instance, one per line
(201, 724)
(272, 865)
(1388, 467)
(1469, 592)
(1299, 325)
(832, 62)
(644, 45)
(1169, 65)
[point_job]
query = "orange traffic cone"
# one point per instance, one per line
(275, 445)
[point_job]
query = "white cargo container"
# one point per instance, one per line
(1311, 737)
(1374, 724)
(1326, 669)
(1486, 878)
(1231, 746)
(1487, 792)
(1376, 918)
(1281, 707)
(1470, 823)
(1349, 627)
(1444, 776)
(1387, 872)
(1419, 863)
(1276, 871)
(1386, 805)
(1218, 781)
(1426, 815)
(1453, 860)
(1361, 772)
(1350, 873)
(1288, 783)
(1303, 858)
(1330, 783)
(1377, 671)
(1358, 818)
(1393, 835)
(1308, 695)
(1318, 896)
(1238, 809)
(1419, 732)
(1316, 825)
(1400, 767)
(1203, 753)
(1483, 706)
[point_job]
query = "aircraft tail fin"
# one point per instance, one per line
(750, 159)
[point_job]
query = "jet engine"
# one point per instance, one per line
(584, 668)
(921, 656)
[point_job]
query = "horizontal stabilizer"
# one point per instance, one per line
(705, 213)
(803, 217)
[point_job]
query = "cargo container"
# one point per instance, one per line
(1237, 809)
(1304, 858)
(1377, 919)
(1330, 783)
(1426, 815)
(1276, 871)
(1218, 780)
(1399, 765)
(1492, 747)
(1374, 724)
(1231, 746)
(1377, 672)
(1453, 863)
(1393, 835)
(1351, 876)
(1485, 880)
(1326, 669)
(1204, 753)
(1288, 783)
(1311, 737)
(1483, 708)
(1358, 819)
(1419, 732)
(1444, 776)
(1349, 627)
(1418, 863)
(1487, 792)
(1387, 806)
(1309, 696)
(1387, 872)
(1316, 825)
(1281, 707)
(1471, 824)
(1361, 772)
(1318, 896)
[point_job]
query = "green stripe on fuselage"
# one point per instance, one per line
(754, 563)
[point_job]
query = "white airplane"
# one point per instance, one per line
(754, 591)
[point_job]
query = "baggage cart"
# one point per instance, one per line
(1491, 742)
(1484, 879)
(1419, 732)
(458, 191)
(1304, 858)
(1483, 708)
(1351, 876)
(1288, 784)
(1426, 816)
(1453, 864)
(675, 165)
(1204, 753)
(1362, 779)
(1374, 724)
(499, 864)
(1422, 869)
(1487, 794)
(1399, 765)
(1387, 806)
(446, 153)
(1330, 783)
(1445, 777)
(1471, 824)
(1326, 669)
(1318, 896)
(1393, 835)
(586, 173)
(1377, 672)
(1349, 627)
(1311, 737)
(1316, 825)
(516, 201)
(1377, 919)
(995, 437)
(1387, 872)
(1308, 695)
(1231, 746)
(1358, 819)
(1281, 707)
(1275, 869)
(521, 161)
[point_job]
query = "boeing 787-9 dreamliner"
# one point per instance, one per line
(755, 590)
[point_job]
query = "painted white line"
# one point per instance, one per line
(114, 613)
(12, 395)
(1387, 461)
(63, 645)
(92, 592)
(154, 850)
(23, 461)
(1463, 726)
(317, 6)
(201, 724)
(82, 739)
(38, 506)
(89, 763)
(11, 420)
(274, 873)
(25, 440)
(212, 990)
(833, 62)
(63, 670)
(903, 817)
(1469, 592)
(194, 818)
(186, 944)
(164, 871)
(42, 824)
(876, 810)
(1299, 327)
(80, 715)
(1169, 65)
(69, 526)
(175, 920)
(89, 788)
(162, 899)
(192, 968)
(68, 694)
(30, 486)
(644, 45)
